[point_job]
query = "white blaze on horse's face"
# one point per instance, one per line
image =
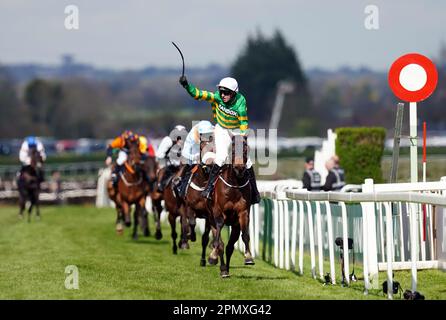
(239, 150)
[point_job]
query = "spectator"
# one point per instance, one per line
(335, 178)
(311, 178)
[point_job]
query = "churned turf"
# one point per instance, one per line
(33, 258)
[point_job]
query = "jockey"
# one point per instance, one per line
(191, 151)
(230, 113)
(150, 151)
(169, 152)
(28, 145)
(122, 143)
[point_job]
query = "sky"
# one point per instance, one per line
(133, 34)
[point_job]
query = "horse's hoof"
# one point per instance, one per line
(249, 261)
(135, 237)
(183, 245)
(146, 233)
(224, 274)
(212, 261)
(128, 224)
(175, 251)
(119, 232)
(158, 235)
(203, 263)
(193, 237)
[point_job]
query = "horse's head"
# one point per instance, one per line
(239, 153)
(150, 167)
(36, 158)
(134, 158)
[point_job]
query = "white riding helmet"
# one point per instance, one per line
(228, 83)
(204, 127)
(179, 127)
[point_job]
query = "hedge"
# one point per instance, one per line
(360, 151)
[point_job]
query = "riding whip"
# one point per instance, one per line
(182, 58)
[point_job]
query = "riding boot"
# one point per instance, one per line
(255, 196)
(162, 183)
(207, 192)
(115, 175)
(187, 172)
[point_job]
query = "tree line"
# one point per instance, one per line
(82, 107)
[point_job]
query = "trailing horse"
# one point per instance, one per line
(197, 206)
(174, 206)
(28, 185)
(132, 188)
(230, 206)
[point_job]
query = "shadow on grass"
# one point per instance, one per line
(148, 241)
(258, 277)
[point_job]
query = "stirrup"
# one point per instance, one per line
(207, 193)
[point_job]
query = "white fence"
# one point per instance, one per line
(393, 227)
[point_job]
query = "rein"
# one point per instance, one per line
(231, 186)
(132, 171)
(129, 168)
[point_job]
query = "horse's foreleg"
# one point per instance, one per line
(38, 208)
(157, 210)
(119, 221)
(30, 209)
(125, 207)
(204, 243)
(244, 226)
(172, 221)
(192, 224)
(136, 213)
(144, 218)
(22, 203)
(235, 234)
(184, 228)
(218, 249)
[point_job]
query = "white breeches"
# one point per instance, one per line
(122, 157)
(26, 161)
(191, 152)
(223, 141)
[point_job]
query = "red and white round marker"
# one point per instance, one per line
(413, 77)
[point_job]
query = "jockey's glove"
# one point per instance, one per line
(183, 81)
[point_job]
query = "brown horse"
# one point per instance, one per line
(230, 205)
(29, 185)
(196, 205)
(174, 206)
(132, 189)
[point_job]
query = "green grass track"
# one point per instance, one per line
(33, 257)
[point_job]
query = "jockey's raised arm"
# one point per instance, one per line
(230, 113)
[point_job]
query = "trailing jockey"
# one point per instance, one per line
(150, 151)
(29, 144)
(191, 152)
(122, 143)
(169, 152)
(230, 113)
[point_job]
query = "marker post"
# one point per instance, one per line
(412, 78)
